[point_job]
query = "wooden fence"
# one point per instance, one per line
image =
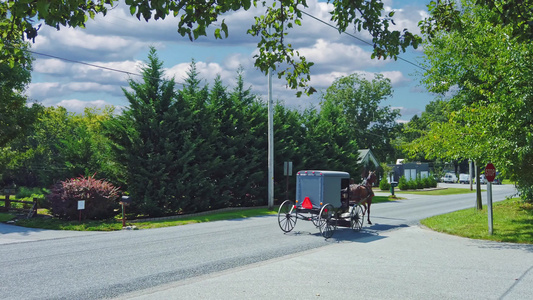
(30, 211)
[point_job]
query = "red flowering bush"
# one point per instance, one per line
(100, 198)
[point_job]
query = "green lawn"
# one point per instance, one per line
(116, 224)
(440, 192)
(512, 222)
(436, 192)
(4, 217)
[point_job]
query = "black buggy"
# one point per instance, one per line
(322, 197)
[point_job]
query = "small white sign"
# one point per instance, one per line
(81, 204)
(287, 168)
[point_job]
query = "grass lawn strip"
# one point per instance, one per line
(4, 217)
(512, 222)
(116, 224)
(439, 192)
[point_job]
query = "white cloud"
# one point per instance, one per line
(396, 77)
(42, 90)
(78, 44)
(338, 56)
(54, 90)
(116, 73)
(51, 66)
(325, 80)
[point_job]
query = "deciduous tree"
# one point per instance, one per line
(368, 122)
(486, 68)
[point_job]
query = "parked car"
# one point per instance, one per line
(449, 178)
(483, 179)
(464, 178)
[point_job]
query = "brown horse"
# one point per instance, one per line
(363, 194)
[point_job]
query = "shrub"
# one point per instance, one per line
(427, 182)
(412, 184)
(384, 184)
(402, 184)
(432, 181)
(419, 183)
(100, 198)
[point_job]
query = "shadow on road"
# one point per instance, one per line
(505, 246)
(366, 235)
(8, 228)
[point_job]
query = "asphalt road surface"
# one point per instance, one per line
(252, 258)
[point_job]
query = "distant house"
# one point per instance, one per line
(410, 170)
(366, 157)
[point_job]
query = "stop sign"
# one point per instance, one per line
(490, 172)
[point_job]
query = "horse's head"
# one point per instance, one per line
(371, 178)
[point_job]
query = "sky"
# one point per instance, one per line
(118, 41)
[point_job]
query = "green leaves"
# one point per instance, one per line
(367, 122)
(476, 56)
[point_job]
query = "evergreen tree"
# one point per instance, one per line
(240, 146)
(289, 141)
(198, 188)
(251, 145)
(153, 139)
(223, 164)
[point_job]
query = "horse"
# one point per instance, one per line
(363, 194)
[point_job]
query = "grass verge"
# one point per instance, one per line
(116, 224)
(512, 222)
(380, 199)
(439, 192)
(4, 217)
(210, 217)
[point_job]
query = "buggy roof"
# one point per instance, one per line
(323, 173)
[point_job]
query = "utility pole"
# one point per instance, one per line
(270, 143)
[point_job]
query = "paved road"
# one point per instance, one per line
(251, 258)
(407, 263)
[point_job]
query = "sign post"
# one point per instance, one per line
(490, 174)
(81, 206)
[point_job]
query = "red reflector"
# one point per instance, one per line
(307, 203)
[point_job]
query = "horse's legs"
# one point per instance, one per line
(368, 203)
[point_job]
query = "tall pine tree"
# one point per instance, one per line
(153, 138)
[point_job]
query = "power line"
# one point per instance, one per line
(84, 63)
(357, 38)
(92, 65)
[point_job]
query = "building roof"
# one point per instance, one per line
(366, 156)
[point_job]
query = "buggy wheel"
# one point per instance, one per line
(327, 221)
(287, 216)
(356, 217)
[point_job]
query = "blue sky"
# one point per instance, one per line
(121, 42)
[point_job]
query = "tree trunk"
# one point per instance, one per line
(479, 204)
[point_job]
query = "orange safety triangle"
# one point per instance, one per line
(307, 203)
